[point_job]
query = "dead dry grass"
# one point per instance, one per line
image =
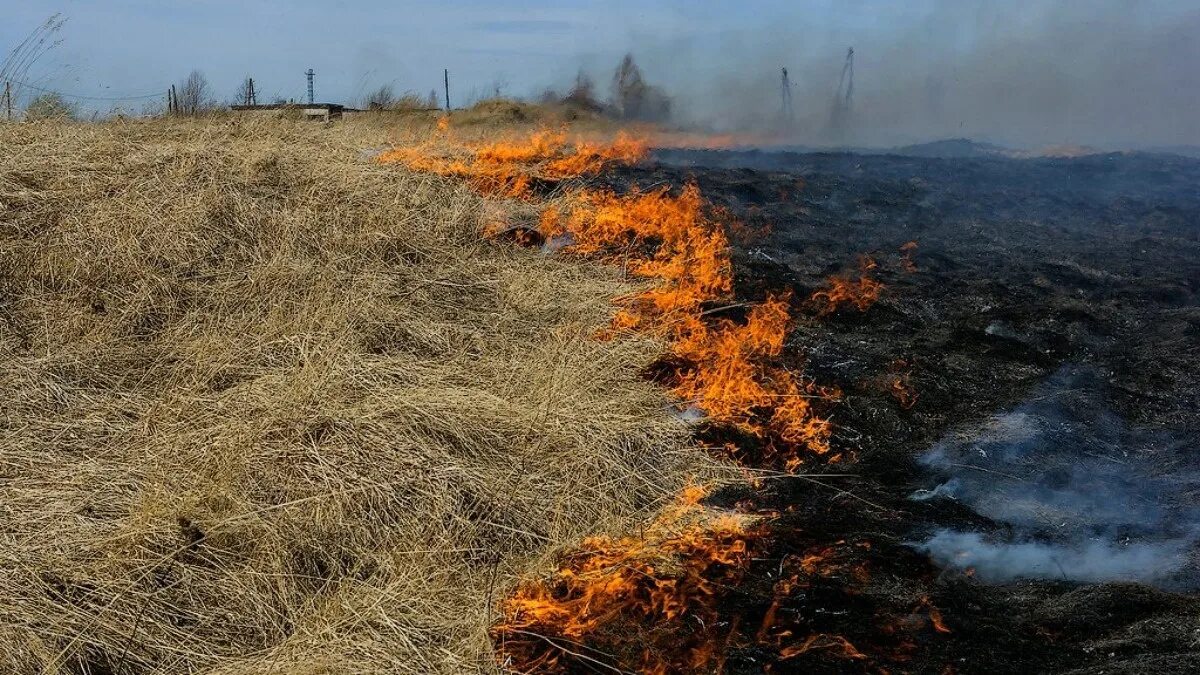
(269, 407)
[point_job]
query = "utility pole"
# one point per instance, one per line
(847, 80)
(8, 99)
(785, 99)
(251, 97)
(173, 102)
(446, 78)
(840, 114)
(310, 75)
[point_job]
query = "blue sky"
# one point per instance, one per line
(136, 46)
(1025, 71)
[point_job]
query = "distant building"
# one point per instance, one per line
(309, 111)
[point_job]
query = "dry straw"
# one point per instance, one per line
(269, 407)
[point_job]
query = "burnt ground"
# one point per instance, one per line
(1022, 267)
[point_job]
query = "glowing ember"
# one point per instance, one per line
(907, 251)
(813, 642)
(900, 386)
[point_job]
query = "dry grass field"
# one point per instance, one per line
(271, 407)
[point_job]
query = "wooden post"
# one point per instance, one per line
(446, 75)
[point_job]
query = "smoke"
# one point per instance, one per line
(1080, 493)
(1096, 560)
(1027, 73)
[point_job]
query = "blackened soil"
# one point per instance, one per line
(1021, 266)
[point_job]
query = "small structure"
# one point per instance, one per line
(309, 111)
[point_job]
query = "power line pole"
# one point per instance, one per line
(446, 77)
(785, 99)
(248, 95)
(8, 99)
(847, 79)
(844, 98)
(310, 75)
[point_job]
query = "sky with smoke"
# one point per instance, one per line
(1113, 73)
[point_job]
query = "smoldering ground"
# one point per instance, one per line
(1079, 493)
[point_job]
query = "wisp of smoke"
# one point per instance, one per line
(1096, 560)
(1084, 495)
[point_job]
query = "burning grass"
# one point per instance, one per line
(660, 585)
(729, 368)
(848, 291)
(271, 407)
(507, 168)
(634, 599)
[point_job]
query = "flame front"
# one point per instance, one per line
(652, 599)
(730, 368)
(508, 168)
(660, 585)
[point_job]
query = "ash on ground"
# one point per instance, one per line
(1054, 300)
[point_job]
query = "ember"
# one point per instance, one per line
(907, 251)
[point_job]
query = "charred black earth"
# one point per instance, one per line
(1041, 492)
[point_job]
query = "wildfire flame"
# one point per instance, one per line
(659, 585)
(673, 239)
(731, 373)
(846, 290)
(509, 168)
(652, 599)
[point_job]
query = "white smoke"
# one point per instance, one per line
(1082, 495)
(1095, 560)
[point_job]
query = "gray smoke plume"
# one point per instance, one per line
(1082, 494)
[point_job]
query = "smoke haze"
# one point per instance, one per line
(1026, 73)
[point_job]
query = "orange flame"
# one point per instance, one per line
(935, 615)
(661, 585)
(509, 168)
(650, 599)
(731, 373)
(844, 290)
